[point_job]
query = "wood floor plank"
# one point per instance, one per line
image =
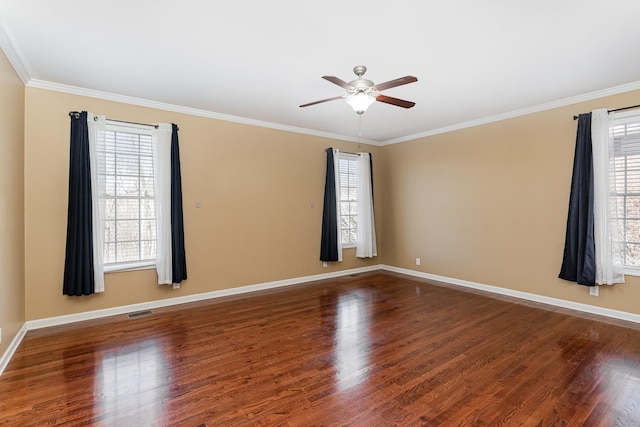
(377, 349)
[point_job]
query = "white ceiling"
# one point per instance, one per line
(259, 60)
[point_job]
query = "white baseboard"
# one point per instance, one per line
(15, 342)
(585, 308)
(96, 314)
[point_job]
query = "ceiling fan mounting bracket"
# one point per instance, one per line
(359, 70)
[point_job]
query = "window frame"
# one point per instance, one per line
(351, 157)
(110, 267)
(623, 119)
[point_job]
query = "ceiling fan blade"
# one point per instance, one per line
(321, 101)
(338, 82)
(393, 83)
(395, 101)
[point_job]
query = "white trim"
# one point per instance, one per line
(74, 90)
(129, 266)
(13, 346)
(586, 308)
(96, 314)
(521, 112)
(631, 271)
(14, 57)
(626, 116)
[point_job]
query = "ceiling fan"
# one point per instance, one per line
(361, 93)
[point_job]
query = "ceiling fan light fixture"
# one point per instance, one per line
(360, 101)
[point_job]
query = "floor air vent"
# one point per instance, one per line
(139, 313)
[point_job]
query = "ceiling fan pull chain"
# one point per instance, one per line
(359, 129)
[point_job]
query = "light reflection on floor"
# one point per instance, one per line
(621, 385)
(353, 340)
(133, 384)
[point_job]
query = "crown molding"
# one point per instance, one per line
(75, 90)
(16, 60)
(108, 96)
(521, 112)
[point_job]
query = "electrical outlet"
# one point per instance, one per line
(324, 264)
(594, 290)
(176, 286)
(417, 261)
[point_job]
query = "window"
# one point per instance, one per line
(348, 170)
(126, 170)
(625, 183)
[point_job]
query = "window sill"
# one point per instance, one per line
(129, 266)
(632, 271)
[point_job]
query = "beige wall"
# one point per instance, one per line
(260, 190)
(488, 204)
(12, 303)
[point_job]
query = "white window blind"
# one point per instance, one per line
(348, 170)
(126, 168)
(625, 180)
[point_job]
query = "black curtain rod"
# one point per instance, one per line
(346, 152)
(133, 123)
(617, 109)
(76, 114)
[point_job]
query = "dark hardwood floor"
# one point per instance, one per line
(378, 349)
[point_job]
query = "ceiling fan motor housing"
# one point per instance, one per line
(360, 85)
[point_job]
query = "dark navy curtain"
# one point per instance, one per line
(178, 258)
(579, 261)
(78, 264)
(329, 241)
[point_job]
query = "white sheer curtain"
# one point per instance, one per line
(608, 246)
(366, 246)
(96, 128)
(161, 141)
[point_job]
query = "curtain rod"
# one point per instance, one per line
(617, 109)
(76, 114)
(346, 152)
